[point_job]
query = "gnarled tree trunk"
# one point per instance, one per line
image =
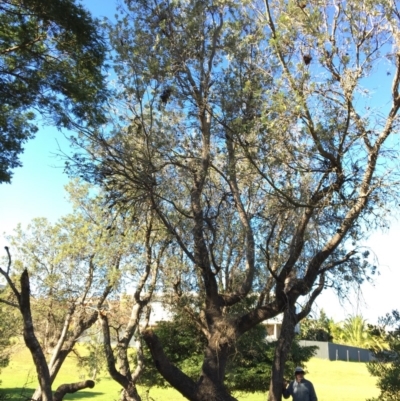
(31, 340)
(44, 377)
(209, 387)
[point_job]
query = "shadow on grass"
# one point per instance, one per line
(81, 395)
(25, 394)
(16, 393)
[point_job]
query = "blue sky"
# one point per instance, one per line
(37, 190)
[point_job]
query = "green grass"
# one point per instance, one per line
(333, 381)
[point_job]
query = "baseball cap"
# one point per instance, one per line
(299, 369)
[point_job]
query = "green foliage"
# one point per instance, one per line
(93, 360)
(249, 364)
(5, 337)
(354, 332)
(51, 58)
(9, 327)
(316, 329)
(249, 368)
(386, 367)
(182, 343)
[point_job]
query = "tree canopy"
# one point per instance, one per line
(51, 59)
(66, 272)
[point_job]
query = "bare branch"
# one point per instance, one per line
(6, 275)
(71, 388)
(4, 301)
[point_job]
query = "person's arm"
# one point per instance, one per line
(313, 396)
(288, 391)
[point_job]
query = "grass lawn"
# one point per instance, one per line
(333, 381)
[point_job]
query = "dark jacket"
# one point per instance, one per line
(303, 391)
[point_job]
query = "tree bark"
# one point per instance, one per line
(71, 388)
(31, 341)
(130, 393)
(209, 387)
(84, 322)
(281, 352)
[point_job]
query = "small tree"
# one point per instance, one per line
(150, 246)
(355, 332)
(386, 366)
(22, 296)
(316, 329)
(10, 324)
(67, 271)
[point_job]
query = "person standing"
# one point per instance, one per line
(299, 388)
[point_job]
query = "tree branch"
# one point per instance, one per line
(179, 380)
(9, 303)
(71, 388)
(6, 275)
(118, 377)
(307, 308)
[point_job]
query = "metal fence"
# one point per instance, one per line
(338, 352)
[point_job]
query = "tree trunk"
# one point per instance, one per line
(281, 353)
(210, 386)
(32, 342)
(83, 323)
(130, 393)
(71, 388)
(211, 383)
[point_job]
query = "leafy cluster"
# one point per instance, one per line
(386, 366)
(316, 329)
(249, 364)
(9, 328)
(51, 60)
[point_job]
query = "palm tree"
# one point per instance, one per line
(355, 332)
(358, 333)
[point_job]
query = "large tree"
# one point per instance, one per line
(51, 58)
(250, 130)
